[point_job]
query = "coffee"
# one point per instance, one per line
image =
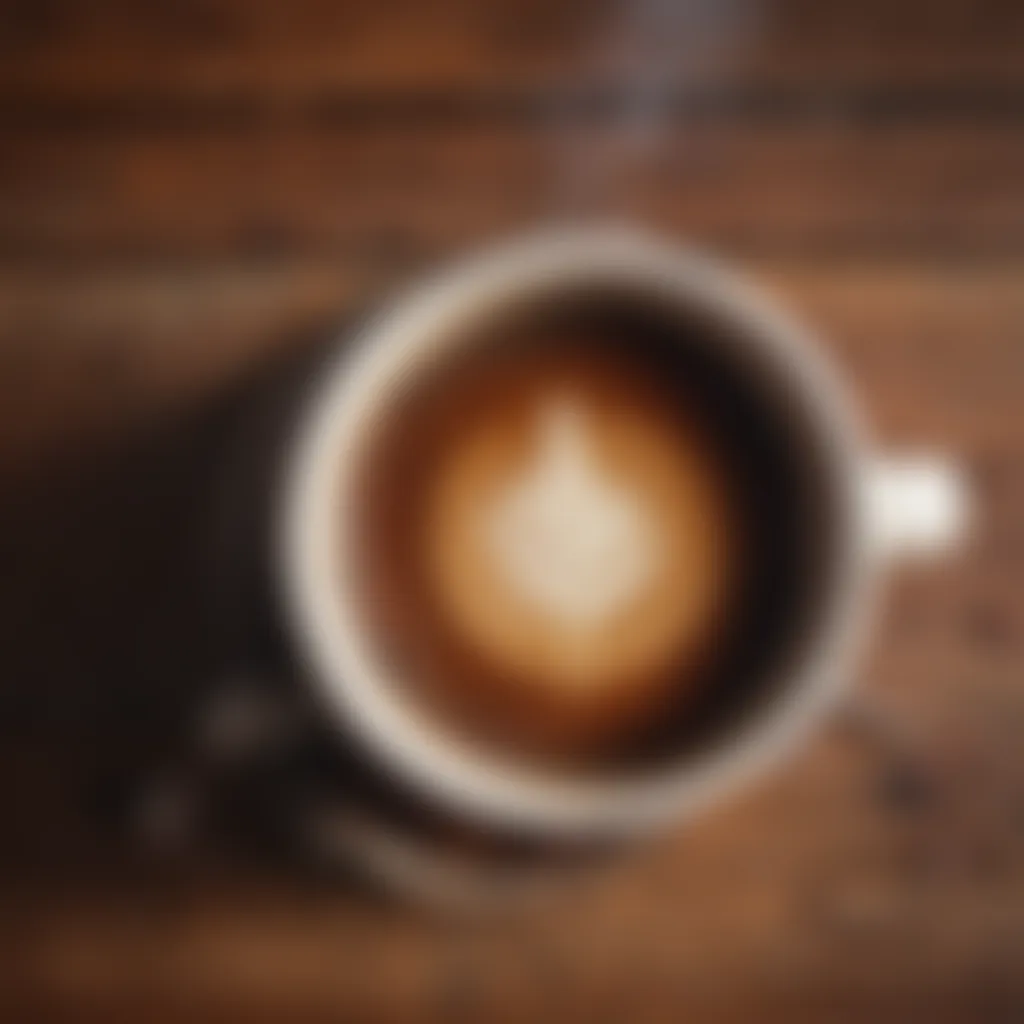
(573, 533)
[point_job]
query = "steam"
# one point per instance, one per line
(647, 63)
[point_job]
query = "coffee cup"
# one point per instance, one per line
(866, 511)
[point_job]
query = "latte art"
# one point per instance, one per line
(565, 536)
(552, 545)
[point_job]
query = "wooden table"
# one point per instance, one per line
(190, 190)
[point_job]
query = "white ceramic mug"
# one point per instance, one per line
(883, 507)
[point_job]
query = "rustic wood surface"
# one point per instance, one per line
(191, 190)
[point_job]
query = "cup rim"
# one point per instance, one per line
(324, 622)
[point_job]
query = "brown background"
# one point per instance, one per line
(187, 188)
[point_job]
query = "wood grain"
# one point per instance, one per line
(935, 348)
(273, 191)
(193, 191)
(73, 55)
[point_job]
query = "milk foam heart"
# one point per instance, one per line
(566, 535)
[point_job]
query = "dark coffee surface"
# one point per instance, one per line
(583, 538)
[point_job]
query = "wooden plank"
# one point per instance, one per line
(749, 916)
(937, 348)
(266, 192)
(76, 55)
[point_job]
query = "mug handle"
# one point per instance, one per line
(918, 505)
